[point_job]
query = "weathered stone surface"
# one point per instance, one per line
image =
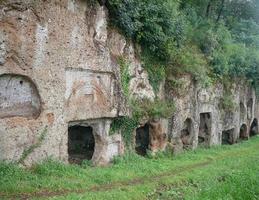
(158, 135)
(139, 85)
(177, 145)
(195, 103)
(18, 97)
(68, 59)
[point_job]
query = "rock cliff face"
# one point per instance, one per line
(57, 71)
(59, 77)
(201, 119)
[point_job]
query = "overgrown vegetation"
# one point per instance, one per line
(141, 109)
(227, 103)
(209, 39)
(226, 172)
(126, 126)
(125, 77)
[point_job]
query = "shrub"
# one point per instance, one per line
(126, 126)
(190, 60)
(227, 103)
(141, 109)
(195, 37)
(125, 77)
(152, 109)
(151, 23)
(155, 69)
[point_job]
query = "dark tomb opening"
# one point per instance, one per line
(228, 137)
(243, 132)
(142, 140)
(204, 129)
(187, 134)
(254, 128)
(81, 143)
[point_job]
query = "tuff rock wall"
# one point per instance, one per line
(200, 118)
(58, 69)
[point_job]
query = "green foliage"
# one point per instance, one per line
(207, 173)
(209, 39)
(227, 103)
(176, 83)
(155, 69)
(126, 126)
(246, 31)
(87, 163)
(129, 157)
(92, 3)
(146, 109)
(150, 23)
(189, 60)
(31, 148)
(206, 38)
(156, 25)
(140, 109)
(125, 77)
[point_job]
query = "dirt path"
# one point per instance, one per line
(115, 185)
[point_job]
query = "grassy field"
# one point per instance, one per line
(226, 172)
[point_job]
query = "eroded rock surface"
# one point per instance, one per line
(59, 69)
(211, 124)
(56, 68)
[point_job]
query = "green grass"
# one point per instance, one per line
(227, 172)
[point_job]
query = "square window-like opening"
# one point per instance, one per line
(81, 143)
(228, 137)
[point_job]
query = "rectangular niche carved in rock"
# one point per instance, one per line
(205, 129)
(88, 90)
(228, 136)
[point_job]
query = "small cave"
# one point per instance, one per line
(204, 129)
(254, 129)
(243, 132)
(142, 140)
(19, 97)
(81, 143)
(228, 137)
(187, 134)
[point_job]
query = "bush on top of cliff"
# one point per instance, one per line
(151, 23)
(220, 36)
